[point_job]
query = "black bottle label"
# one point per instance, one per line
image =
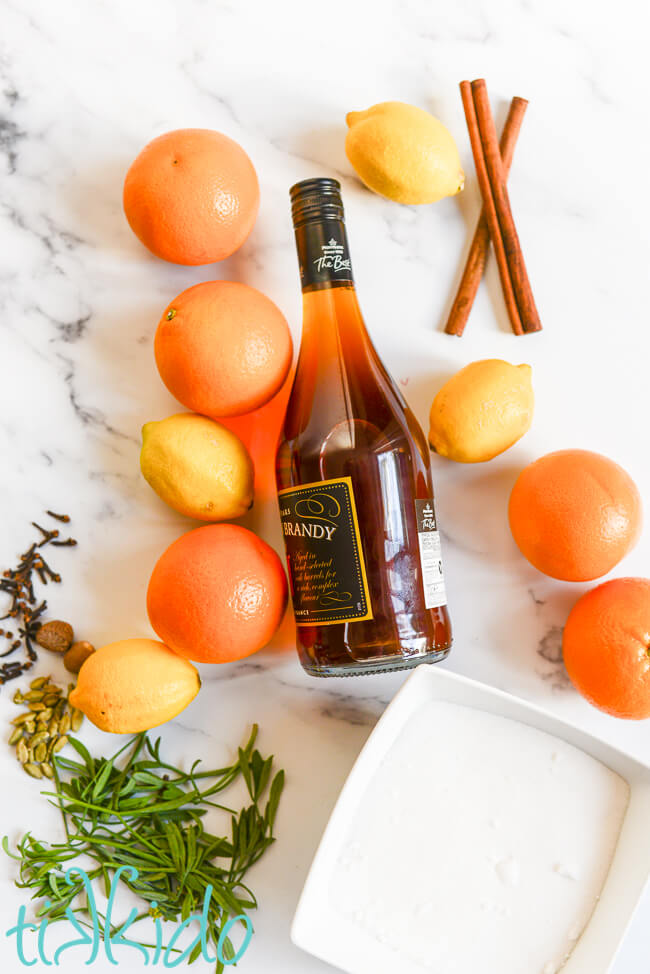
(327, 571)
(323, 255)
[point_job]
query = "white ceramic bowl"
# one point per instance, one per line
(321, 930)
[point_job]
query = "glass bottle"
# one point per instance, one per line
(353, 477)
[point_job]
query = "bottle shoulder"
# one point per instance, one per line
(342, 391)
(351, 419)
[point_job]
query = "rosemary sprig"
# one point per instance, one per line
(148, 814)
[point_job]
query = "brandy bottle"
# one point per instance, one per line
(353, 476)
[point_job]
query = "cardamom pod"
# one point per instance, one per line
(47, 769)
(33, 770)
(16, 735)
(21, 752)
(22, 718)
(40, 752)
(34, 695)
(36, 705)
(38, 683)
(64, 724)
(18, 697)
(30, 725)
(58, 745)
(45, 714)
(38, 738)
(77, 719)
(51, 698)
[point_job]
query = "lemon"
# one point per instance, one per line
(402, 152)
(134, 684)
(482, 411)
(198, 467)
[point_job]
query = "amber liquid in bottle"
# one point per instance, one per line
(353, 477)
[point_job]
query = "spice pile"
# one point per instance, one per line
(26, 611)
(41, 731)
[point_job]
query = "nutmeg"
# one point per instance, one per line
(77, 655)
(57, 636)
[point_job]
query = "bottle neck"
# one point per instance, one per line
(323, 255)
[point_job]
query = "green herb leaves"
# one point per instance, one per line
(147, 814)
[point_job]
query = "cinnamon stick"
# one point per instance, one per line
(518, 274)
(489, 206)
(480, 245)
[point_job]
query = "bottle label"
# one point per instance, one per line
(327, 571)
(430, 555)
(323, 255)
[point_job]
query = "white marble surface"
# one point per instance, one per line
(82, 88)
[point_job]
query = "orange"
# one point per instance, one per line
(217, 594)
(223, 348)
(606, 647)
(574, 514)
(192, 196)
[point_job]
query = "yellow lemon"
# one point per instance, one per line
(482, 411)
(404, 153)
(134, 684)
(198, 467)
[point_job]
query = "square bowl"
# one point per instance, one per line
(321, 930)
